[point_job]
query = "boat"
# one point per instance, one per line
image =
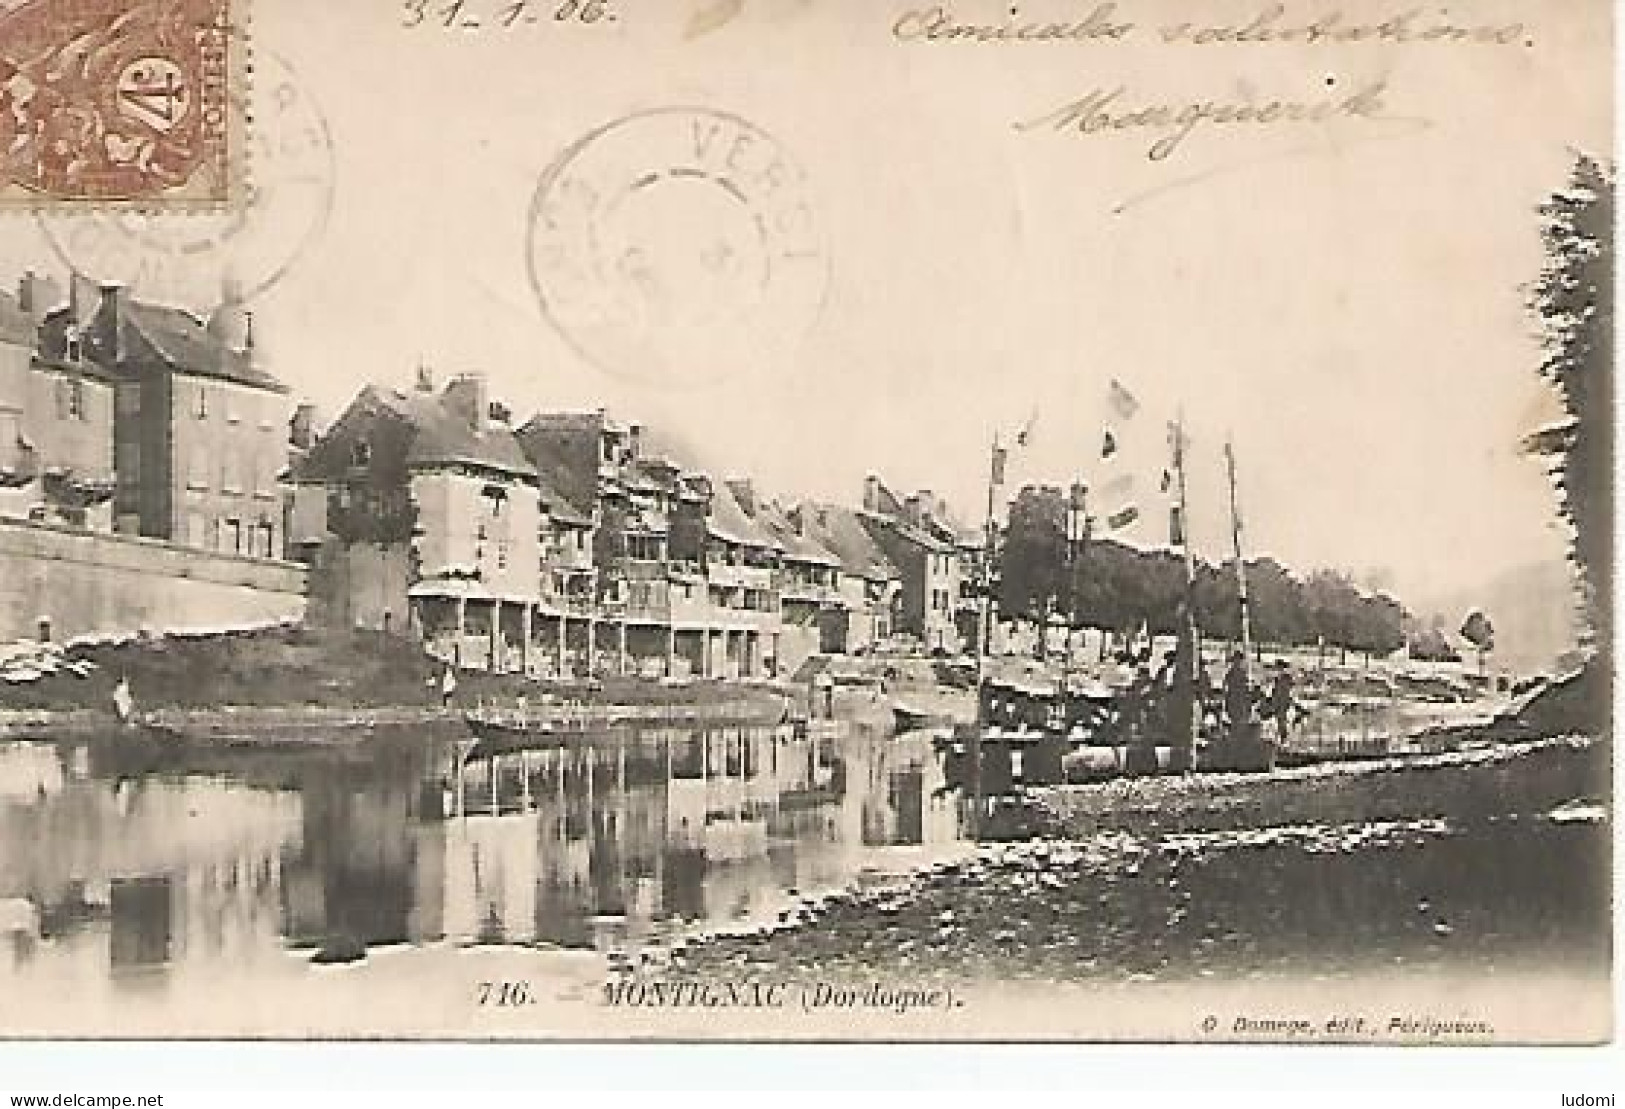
(910, 719)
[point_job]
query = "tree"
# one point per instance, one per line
(1478, 631)
(1574, 297)
(1033, 563)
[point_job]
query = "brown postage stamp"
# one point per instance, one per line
(119, 102)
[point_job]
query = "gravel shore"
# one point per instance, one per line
(1437, 862)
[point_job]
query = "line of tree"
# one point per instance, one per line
(1106, 584)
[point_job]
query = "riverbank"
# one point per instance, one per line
(282, 676)
(1440, 862)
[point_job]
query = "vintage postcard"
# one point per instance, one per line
(871, 520)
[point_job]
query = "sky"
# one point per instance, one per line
(1345, 301)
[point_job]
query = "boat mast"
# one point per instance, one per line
(1241, 567)
(984, 626)
(1190, 629)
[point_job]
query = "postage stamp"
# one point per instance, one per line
(113, 102)
(239, 253)
(677, 246)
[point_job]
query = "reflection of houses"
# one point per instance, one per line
(928, 561)
(356, 876)
(162, 873)
(56, 419)
(544, 845)
(868, 585)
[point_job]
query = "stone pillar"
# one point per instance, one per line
(524, 641)
(564, 635)
(621, 662)
(493, 638)
(592, 646)
(671, 652)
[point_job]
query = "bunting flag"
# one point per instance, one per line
(1000, 457)
(1122, 518)
(1024, 437)
(1135, 479)
(1176, 526)
(1123, 402)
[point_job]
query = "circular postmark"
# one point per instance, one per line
(677, 246)
(207, 258)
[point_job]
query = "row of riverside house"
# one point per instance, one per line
(576, 544)
(571, 545)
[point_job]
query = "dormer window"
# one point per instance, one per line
(71, 337)
(360, 453)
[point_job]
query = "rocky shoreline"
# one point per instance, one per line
(1317, 868)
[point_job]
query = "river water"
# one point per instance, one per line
(393, 887)
(117, 878)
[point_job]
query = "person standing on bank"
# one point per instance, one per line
(1238, 694)
(448, 687)
(1279, 706)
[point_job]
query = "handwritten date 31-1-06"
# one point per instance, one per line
(503, 15)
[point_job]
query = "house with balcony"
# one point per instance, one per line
(56, 418)
(811, 608)
(868, 585)
(200, 426)
(420, 514)
(928, 564)
(686, 580)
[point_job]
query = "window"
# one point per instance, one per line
(129, 399)
(360, 453)
(233, 539)
(72, 339)
(196, 530)
(76, 400)
(201, 408)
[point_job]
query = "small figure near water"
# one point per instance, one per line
(448, 687)
(1238, 694)
(124, 701)
(1279, 706)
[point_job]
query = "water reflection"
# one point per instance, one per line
(129, 874)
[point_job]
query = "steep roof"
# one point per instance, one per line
(908, 532)
(182, 340)
(840, 531)
(798, 547)
(569, 489)
(444, 436)
(434, 434)
(727, 520)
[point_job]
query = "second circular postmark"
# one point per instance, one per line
(677, 246)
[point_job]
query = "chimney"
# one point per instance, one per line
(302, 427)
(634, 441)
(466, 396)
(871, 493)
(37, 295)
(115, 300)
(744, 492)
(425, 379)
